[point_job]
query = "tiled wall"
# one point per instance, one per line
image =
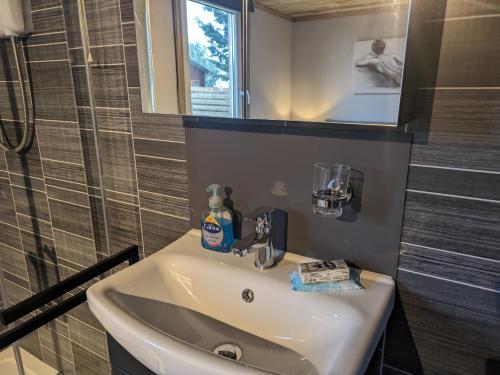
(447, 319)
(51, 222)
(449, 268)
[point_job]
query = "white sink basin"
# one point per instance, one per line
(171, 310)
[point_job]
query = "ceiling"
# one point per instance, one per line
(304, 8)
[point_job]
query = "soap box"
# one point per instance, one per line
(323, 271)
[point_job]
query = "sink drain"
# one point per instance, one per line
(230, 351)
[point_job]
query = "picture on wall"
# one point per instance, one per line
(378, 66)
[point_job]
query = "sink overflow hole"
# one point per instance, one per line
(230, 351)
(247, 295)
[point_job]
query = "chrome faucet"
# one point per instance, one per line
(260, 242)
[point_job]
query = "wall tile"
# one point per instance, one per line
(154, 126)
(75, 249)
(27, 164)
(107, 119)
(160, 230)
(27, 182)
(454, 266)
(127, 10)
(165, 204)
(468, 53)
(163, 176)
(72, 23)
(42, 4)
(52, 88)
(59, 141)
(88, 363)
(13, 262)
(88, 337)
(48, 20)
(162, 149)
(7, 209)
(455, 182)
(454, 327)
(41, 274)
(38, 246)
(67, 195)
(56, 343)
(35, 225)
(453, 224)
(71, 218)
(59, 363)
(132, 66)
(58, 172)
(31, 203)
(129, 34)
(103, 18)
(48, 52)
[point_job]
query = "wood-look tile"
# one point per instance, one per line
(31, 203)
(57, 362)
(10, 236)
(48, 20)
(468, 53)
(53, 91)
(42, 4)
(127, 10)
(88, 337)
(38, 246)
(118, 161)
(3, 161)
(7, 208)
(454, 266)
(453, 224)
(462, 112)
(165, 204)
(100, 55)
(83, 313)
(89, 363)
(107, 119)
(132, 66)
(75, 249)
(41, 274)
(13, 262)
(469, 184)
(56, 343)
(163, 176)
(16, 293)
(67, 195)
(31, 344)
(160, 230)
(72, 23)
(27, 182)
(162, 149)
(28, 163)
(103, 18)
(60, 141)
(35, 39)
(8, 70)
(123, 225)
(110, 86)
(71, 218)
(33, 225)
(153, 125)
(129, 33)
(59, 172)
(454, 327)
(467, 8)
(59, 325)
(46, 52)
(456, 151)
(11, 107)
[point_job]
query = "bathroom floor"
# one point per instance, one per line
(32, 365)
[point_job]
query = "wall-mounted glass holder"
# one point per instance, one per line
(331, 189)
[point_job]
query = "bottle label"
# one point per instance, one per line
(212, 232)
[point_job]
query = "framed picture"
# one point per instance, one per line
(378, 66)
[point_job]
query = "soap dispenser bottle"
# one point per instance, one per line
(217, 224)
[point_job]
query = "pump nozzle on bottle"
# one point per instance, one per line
(215, 201)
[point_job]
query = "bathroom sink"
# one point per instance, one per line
(186, 310)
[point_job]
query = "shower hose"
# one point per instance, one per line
(5, 144)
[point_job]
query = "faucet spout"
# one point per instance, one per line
(260, 242)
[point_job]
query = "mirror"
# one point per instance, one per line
(327, 61)
(301, 60)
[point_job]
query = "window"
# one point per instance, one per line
(214, 55)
